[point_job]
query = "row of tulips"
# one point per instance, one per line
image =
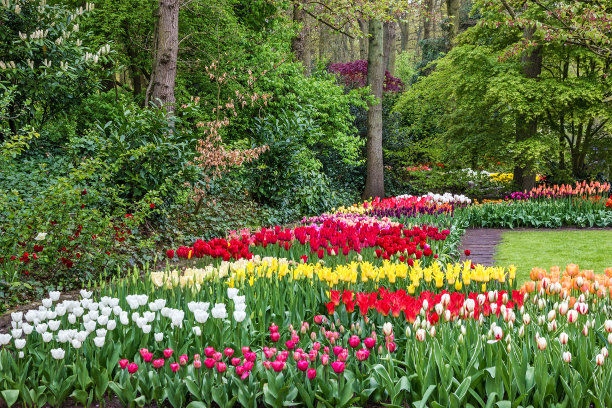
(225, 346)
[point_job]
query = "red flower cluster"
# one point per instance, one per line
(333, 237)
(394, 303)
(217, 248)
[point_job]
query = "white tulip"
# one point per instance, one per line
(60, 310)
(158, 337)
(16, 333)
(239, 316)
(47, 337)
(111, 325)
(90, 326)
(124, 319)
(85, 294)
(27, 328)
(58, 353)
(563, 338)
(196, 331)
(161, 303)
(76, 344)
(20, 343)
(71, 318)
(240, 307)
(604, 351)
(117, 310)
(99, 341)
(54, 295)
(567, 357)
(146, 329)
(239, 300)
(5, 339)
(232, 292)
(388, 328)
(78, 311)
(81, 336)
(41, 236)
(102, 320)
(17, 316)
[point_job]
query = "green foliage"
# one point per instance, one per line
(63, 233)
(552, 213)
(41, 53)
(289, 177)
(147, 153)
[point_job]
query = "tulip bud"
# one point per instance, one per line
(604, 351)
(432, 331)
(460, 339)
(610, 338)
(408, 331)
(509, 348)
(567, 357)
(420, 335)
(542, 343)
(599, 360)
(521, 332)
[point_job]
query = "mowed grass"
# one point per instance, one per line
(529, 249)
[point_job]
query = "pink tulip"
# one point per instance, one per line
(278, 366)
(343, 356)
(362, 354)
(337, 350)
(209, 362)
(228, 352)
(168, 353)
(221, 367)
(209, 351)
(196, 356)
(123, 363)
(302, 365)
(275, 337)
(369, 342)
(273, 328)
(316, 346)
(354, 341)
(311, 373)
(132, 368)
(174, 367)
(267, 364)
(250, 356)
(235, 361)
(391, 347)
(324, 359)
(159, 363)
(183, 359)
(197, 364)
(217, 356)
(248, 365)
(147, 357)
(143, 351)
(240, 370)
(245, 349)
(290, 344)
(338, 367)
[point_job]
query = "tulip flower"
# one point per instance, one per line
(132, 368)
(278, 366)
(567, 357)
(542, 343)
(159, 363)
(197, 364)
(563, 338)
(221, 367)
(369, 342)
(209, 362)
(311, 373)
(302, 365)
(338, 367)
(168, 353)
(600, 359)
(175, 367)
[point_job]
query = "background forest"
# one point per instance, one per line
(259, 112)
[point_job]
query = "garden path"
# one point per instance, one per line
(481, 242)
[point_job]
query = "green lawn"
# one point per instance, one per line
(529, 249)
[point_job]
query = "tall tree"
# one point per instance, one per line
(375, 181)
(165, 54)
(452, 10)
(298, 43)
(389, 46)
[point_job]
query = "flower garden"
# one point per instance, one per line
(369, 305)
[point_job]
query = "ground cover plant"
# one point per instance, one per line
(537, 249)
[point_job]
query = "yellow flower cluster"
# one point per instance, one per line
(458, 274)
(507, 177)
(353, 209)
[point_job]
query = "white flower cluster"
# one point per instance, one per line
(446, 198)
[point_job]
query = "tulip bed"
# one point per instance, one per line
(365, 306)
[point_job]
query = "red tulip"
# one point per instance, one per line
(168, 353)
(159, 363)
(338, 367)
(123, 363)
(302, 365)
(311, 373)
(174, 367)
(467, 252)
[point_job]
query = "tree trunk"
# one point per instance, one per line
(363, 40)
(132, 55)
(298, 45)
(389, 47)
(405, 33)
(375, 182)
(452, 9)
(428, 20)
(323, 40)
(163, 75)
(526, 126)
